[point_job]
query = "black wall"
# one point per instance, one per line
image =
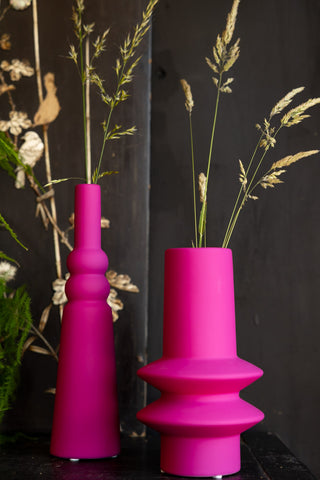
(124, 196)
(275, 246)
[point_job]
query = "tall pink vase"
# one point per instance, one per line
(200, 415)
(85, 423)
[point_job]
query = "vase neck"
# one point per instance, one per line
(199, 313)
(87, 221)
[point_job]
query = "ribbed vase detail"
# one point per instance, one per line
(86, 423)
(200, 415)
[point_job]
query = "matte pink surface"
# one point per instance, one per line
(200, 415)
(86, 423)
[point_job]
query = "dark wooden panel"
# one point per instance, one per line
(276, 245)
(124, 196)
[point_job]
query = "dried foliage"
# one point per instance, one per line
(225, 54)
(124, 69)
(251, 177)
(121, 282)
(115, 303)
(224, 57)
(49, 108)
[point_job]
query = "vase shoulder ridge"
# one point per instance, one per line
(87, 260)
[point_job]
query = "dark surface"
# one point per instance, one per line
(264, 457)
(275, 458)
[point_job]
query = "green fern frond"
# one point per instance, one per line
(15, 323)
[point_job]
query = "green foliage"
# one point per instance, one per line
(9, 158)
(15, 323)
(3, 256)
(5, 224)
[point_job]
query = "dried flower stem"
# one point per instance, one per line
(53, 353)
(50, 217)
(230, 224)
(268, 139)
(203, 213)
(107, 125)
(4, 11)
(88, 119)
(248, 191)
(83, 94)
(45, 137)
(193, 182)
(125, 75)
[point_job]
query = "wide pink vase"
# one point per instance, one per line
(86, 423)
(200, 415)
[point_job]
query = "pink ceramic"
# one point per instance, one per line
(199, 415)
(85, 423)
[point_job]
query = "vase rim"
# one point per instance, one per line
(197, 249)
(87, 185)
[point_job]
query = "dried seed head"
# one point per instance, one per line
(242, 176)
(271, 179)
(188, 95)
(285, 101)
(286, 161)
(231, 22)
(295, 115)
(202, 187)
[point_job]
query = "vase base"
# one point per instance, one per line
(200, 457)
(84, 453)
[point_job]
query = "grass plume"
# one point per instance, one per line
(124, 68)
(251, 178)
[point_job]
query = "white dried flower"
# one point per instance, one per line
(121, 281)
(32, 148)
(20, 4)
(17, 69)
(115, 304)
(30, 153)
(7, 271)
(59, 296)
(17, 122)
(105, 223)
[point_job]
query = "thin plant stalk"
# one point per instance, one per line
(112, 106)
(246, 194)
(83, 95)
(88, 119)
(203, 209)
(193, 182)
(53, 353)
(106, 128)
(46, 142)
(224, 244)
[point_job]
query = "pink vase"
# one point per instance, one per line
(200, 415)
(85, 423)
